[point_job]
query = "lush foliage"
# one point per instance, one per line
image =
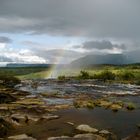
(61, 77)
(105, 75)
(8, 80)
(84, 75)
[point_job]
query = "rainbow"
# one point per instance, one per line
(54, 70)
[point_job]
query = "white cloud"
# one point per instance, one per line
(20, 55)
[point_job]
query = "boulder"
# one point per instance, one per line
(89, 136)
(21, 137)
(104, 132)
(86, 128)
(59, 138)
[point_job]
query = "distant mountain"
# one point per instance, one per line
(27, 65)
(115, 59)
(34, 65)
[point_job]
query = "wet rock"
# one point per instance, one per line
(50, 117)
(108, 135)
(21, 137)
(86, 128)
(89, 136)
(3, 108)
(30, 101)
(63, 106)
(70, 123)
(4, 127)
(32, 118)
(19, 118)
(6, 98)
(59, 138)
(104, 132)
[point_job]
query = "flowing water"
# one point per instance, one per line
(122, 123)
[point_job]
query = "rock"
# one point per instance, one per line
(4, 127)
(4, 108)
(70, 123)
(30, 101)
(104, 132)
(89, 136)
(50, 117)
(86, 128)
(108, 135)
(19, 118)
(6, 98)
(21, 137)
(33, 118)
(59, 138)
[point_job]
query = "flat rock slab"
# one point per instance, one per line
(86, 128)
(21, 137)
(79, 137)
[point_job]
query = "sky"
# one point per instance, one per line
(60, 31)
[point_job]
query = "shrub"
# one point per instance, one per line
(84, 75)
(126, 76)
(105, 75)
(61, 77)
(130, 106)
(9, 80)
(137, 82)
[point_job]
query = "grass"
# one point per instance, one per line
(122, 74)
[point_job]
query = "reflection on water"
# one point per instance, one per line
(123, 123)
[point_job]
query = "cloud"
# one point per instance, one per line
(101, 45)
(5, 59)
(4, 39)
(102, 22)
(86, 18)
(9, 54)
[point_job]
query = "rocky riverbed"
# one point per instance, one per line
(84, 110)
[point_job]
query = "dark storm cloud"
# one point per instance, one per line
(5, 39)
(88, 18)
(101, 45)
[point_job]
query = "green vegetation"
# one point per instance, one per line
(61, 77)
(84, 104)
(122, 74)
(130, 106)
(8, 80)
(105, 75)
(126, 75)
(84, 75)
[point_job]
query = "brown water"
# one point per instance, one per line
(122, 123)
